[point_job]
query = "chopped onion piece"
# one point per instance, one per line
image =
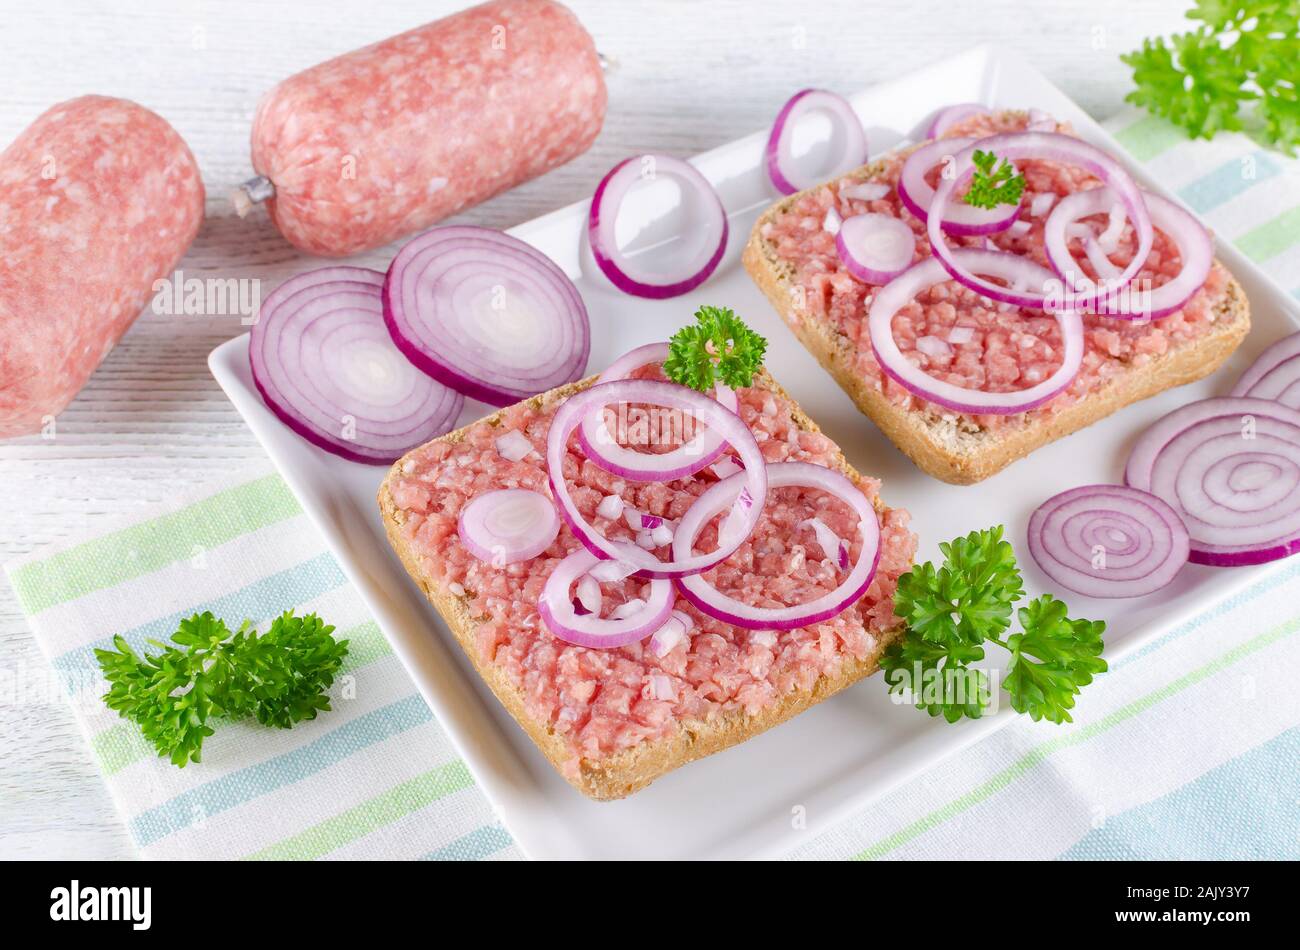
(589, 594)
(610, 507)
(831, 223)
(960, 335)
(589, 630)
(627, 609)
(513, 446)
(864, 191)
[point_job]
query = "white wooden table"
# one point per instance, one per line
(690, 75)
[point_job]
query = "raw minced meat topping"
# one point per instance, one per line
(604, 701)
(953, 333)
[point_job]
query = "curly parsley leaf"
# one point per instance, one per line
(1243, 51)
(993, 185)
(1052, 660)
(207, 672)
(952, 612)
(718, 347)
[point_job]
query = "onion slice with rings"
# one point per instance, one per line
(604, 449)
(486, 314)
(1230, 467)
(729, 426)
(709, 600)
(1050, 146)
(848, 135)
(1275, 373)
(925, 274)
(875, 248)
(708, 239)
(961, 219)
(588, 630)
(324, 363)
(1195, 251)
(508, 525)
(945, 118)
(1108, 541)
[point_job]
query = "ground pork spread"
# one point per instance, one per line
(604, 701)
(998, 348)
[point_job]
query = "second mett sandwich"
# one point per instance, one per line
(646, 572)
(969, 360)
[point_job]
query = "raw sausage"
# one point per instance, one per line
(99, 198)
(387, 140)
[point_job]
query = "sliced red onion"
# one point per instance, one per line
(722, 496)
(486, 314)
(508, 525)
(323, 362)
(925, 274)
(960, 219)
(948, 116)
(1274, 374)
(1108, 541)
(589, 630)
(513, 446)
(864, 191)
(782, 167)
(1040, 121)
(687, 459)
(629, 608)
(1195, 250)
(875, 248)
(612, 571)
(708, 239)
(674, 630)
(729, 427)
(726, 468)
(1231, 468)
(1042, 203)
(1048, 146)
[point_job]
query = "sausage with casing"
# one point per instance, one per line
(387, 140)
(99, 198)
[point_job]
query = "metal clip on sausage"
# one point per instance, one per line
(342, 177)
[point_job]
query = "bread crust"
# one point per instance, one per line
(944, 447)
(621, 774)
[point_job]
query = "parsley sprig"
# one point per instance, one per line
(991, 186)
(1242, 51)
(953, 611)
(278, 678)
(717, 347)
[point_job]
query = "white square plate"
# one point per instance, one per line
(836, 758)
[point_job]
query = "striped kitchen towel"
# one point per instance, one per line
(374, 778)
(1188, 748)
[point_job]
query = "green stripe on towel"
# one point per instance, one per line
(370, 815)
(1149, 136)
(1272, 237)
(151, 545)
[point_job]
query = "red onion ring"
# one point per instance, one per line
(603, 449)
(961, 219)
(587, 630)
(1108, 541)
(875, 248)
(925, 274)
(486, 314)
(323, 362)
(780, 160)
(945, 118)
(1195, 250)
(709, 600)
(728, 425)
(508, 525)
(1048, 146)
(1275, 374)
(1231, 468)
(709, 239)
